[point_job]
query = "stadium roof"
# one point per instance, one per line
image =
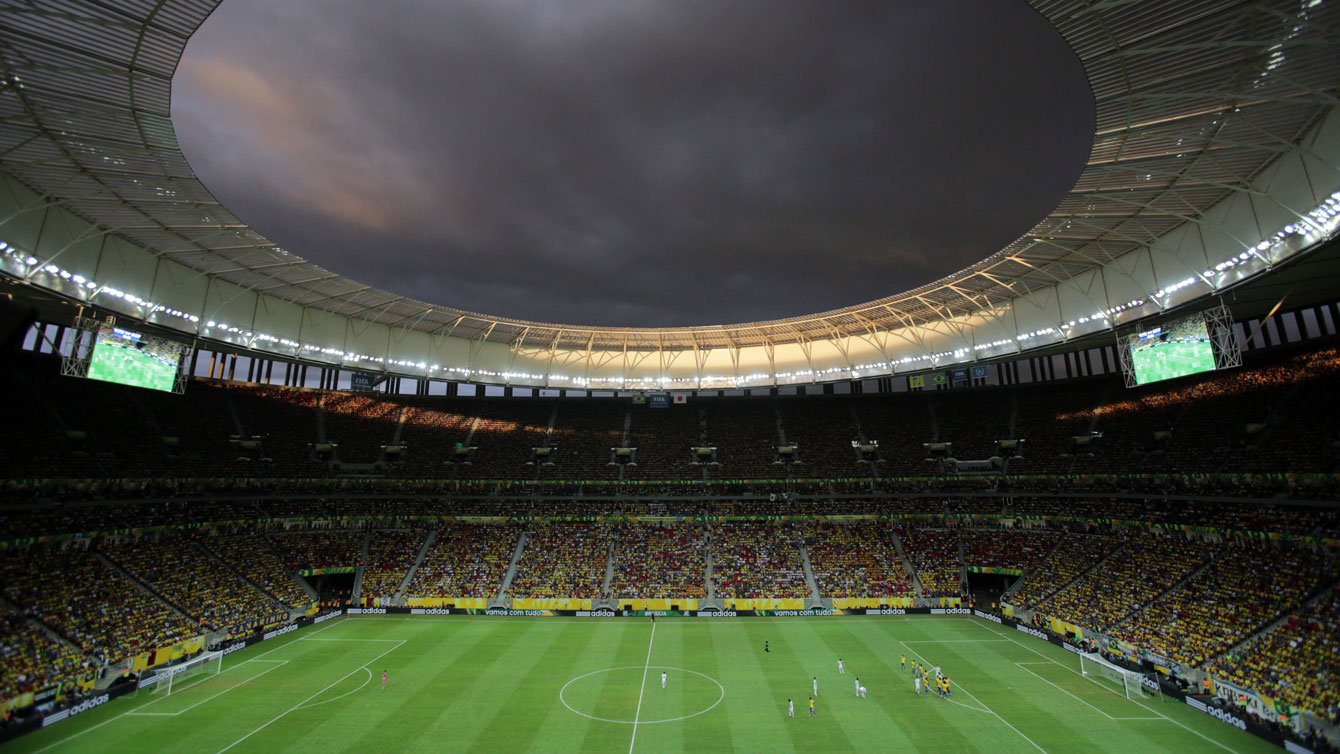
(1195, 101)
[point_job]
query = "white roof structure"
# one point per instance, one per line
(1216, 156)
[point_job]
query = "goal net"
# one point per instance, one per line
(166, 679)
(1129, 683)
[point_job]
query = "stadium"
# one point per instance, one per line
(1088, 486)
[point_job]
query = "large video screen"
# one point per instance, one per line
(1174, 349)
(131, 358)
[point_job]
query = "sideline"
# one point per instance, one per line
(643, 689)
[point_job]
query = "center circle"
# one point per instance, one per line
(584, 690)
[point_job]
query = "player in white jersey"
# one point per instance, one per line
(858, 686)
(840, 670)
(862, 692)
(816, 685)
(662, 679)
(790, 708)
(918, 682)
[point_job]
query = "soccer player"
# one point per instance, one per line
(790, 708)
(812, 712)
(383, 679)
(662, 679)
(765, 646)
(917, 681)
(858, 686)
(816, 685)
(862, 692)
(840, 670)
(902, 662)
(946, 687)
(926, 680)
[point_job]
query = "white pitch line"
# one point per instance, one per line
(263, 726)
(277, 664)
(1072, 696)
(984, 707)
(954, 641)
(154, 701)
(643, 689)
(1101, 686)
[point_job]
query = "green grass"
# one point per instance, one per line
(128, 366)
(1168, 360)
(493, 684)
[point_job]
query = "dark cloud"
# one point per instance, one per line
(627, 162)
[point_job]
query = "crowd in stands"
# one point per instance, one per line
(856, 560)
(178, 571)
(465, 560)
(1072, 556)
(653, 561)
(1003, 548)
(563, 560)
(252, 558)
(88, 603)
(391, 553)
(935, 553)
(313, 550)
(1246, 587)
(30, 660)
(757, 560)
(1148, 565)
(1298, 663)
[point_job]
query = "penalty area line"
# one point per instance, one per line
(299, 705)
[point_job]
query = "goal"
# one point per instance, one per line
(166, 679)
(1132, 684)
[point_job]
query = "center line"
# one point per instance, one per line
(642, 690)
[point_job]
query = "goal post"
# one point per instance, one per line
(1133, 684)
(167, 679)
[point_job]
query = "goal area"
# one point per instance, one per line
(165, 680)
(1132, 684)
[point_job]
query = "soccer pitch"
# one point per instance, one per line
(130, 367)
(594, 685)
(1168, 360)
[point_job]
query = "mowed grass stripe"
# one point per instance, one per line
(789, 670)
(563, 729)
(1187, 723)
(519, 723)
(894, 714)
(617, 698)
(492, 684)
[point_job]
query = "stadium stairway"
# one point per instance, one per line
(357, 591)
(809, 572)
(709, 582)
(511, 569)
(143, 587)
(293, 574)
(907, 565)
(50, 632)
(609, 573)
(1308, 602)
(399, 597)
(215, 557)
(1078, 576)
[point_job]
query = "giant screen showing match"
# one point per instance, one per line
(131, 358)
(1174, 349)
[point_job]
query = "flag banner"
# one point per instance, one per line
(959, 375)
(639, 400)
(979, 373)
(916, 380)
(681, 398)
(360, 382)
(659, 400)
(938, 378)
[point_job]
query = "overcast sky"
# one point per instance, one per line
(629, 162)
